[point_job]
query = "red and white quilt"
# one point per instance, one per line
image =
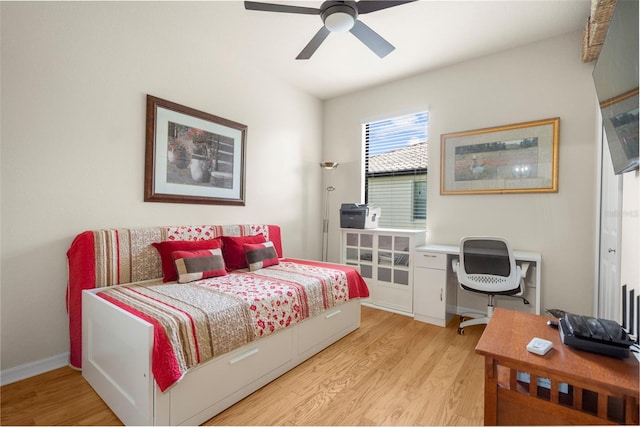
(194, 322)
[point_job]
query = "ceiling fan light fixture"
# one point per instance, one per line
(339, 22)
(339, 18)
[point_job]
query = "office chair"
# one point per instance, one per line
(487, 266)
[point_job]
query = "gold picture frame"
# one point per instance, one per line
(516, 158)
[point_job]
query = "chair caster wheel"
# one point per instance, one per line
(460, 331)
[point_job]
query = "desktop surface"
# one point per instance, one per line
(455, 250)
(510, 344)
(505, 342)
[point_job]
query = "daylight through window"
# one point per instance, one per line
(395, 169)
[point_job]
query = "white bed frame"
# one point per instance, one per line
(116, 361)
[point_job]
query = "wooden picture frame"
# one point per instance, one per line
(516, 158)
(192, 156)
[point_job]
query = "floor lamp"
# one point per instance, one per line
(328, 167)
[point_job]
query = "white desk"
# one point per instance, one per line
(435, 289)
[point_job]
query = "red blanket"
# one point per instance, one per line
(102, 258)
(357, 286)
(194, 322)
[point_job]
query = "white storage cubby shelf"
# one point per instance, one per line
(385, 258)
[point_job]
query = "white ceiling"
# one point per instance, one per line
(427, 34)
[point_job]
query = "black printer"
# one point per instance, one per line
(354, 215)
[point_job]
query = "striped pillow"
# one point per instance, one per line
(260, 255)
(168, 247)
(196, 265)
(233, 251)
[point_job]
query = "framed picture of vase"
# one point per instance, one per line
(515, 158)
(192, 156)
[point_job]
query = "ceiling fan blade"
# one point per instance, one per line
(271, 7)
(373, 40)
(313, 45)
(368, 6)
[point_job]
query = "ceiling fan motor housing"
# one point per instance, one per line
(339, 16)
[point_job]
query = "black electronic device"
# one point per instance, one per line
(354, 215)
(595, 335)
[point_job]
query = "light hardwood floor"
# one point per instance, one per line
(391, 371)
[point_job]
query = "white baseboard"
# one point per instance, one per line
(383, 308)
(21, 372)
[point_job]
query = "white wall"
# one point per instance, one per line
(537, 81)
(74, 80)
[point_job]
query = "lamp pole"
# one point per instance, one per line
(327, 167)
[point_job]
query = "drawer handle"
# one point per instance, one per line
(430, 256)
(243, 356)
(440, 294)
(330, 315)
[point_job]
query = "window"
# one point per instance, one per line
(420, 200)
(395, 169)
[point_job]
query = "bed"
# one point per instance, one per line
(166, 341)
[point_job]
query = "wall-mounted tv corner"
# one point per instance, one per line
(616, 80)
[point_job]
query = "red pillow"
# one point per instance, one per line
(233, 251)
(260, 255)
(166, 248)
(196, 265)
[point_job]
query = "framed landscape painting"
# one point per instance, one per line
(192, 156)
(517, 158)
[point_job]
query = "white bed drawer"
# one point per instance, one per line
(316, 331)
(223, 376)
(431, 260)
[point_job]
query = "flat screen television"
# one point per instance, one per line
(616, 80)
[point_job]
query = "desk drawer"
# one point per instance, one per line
(431, 260)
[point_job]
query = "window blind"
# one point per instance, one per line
(395, 169)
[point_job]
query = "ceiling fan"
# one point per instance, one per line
(338, 16)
